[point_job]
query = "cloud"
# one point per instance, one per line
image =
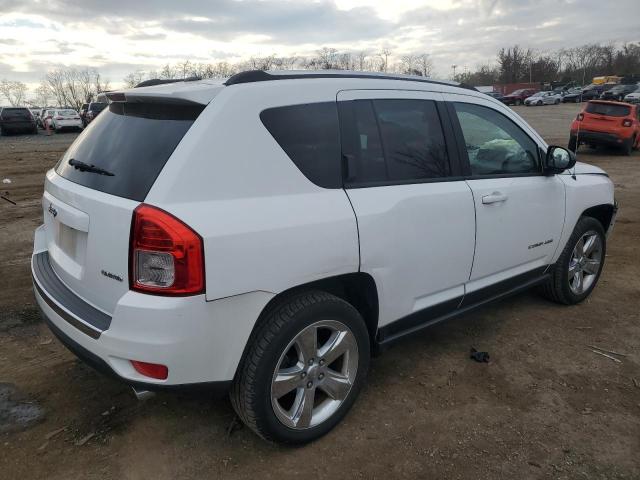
(145, 34)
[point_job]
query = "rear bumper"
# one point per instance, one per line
(600, 138)
(200, 342)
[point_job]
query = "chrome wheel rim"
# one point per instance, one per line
(584, 265)
(314, 374)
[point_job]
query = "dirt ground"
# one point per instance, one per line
(545, 407)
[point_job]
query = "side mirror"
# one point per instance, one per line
(558, 160)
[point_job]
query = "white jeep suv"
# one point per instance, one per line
(266, 235)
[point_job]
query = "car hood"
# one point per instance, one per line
(582, 168)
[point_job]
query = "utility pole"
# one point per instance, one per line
(454, 72)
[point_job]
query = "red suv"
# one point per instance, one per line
(519, 96)
(607, 123)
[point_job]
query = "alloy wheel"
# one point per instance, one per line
(314, 374)
(585, 261)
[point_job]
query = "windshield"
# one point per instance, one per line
(132, 141)
(539, 94)
(608, 109)
(517, 92)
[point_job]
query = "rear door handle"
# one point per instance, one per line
(495, 197)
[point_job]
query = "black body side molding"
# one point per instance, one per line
(430, 316)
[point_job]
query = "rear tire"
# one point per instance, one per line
(587, 262)
(517, 102)
(573, 144)
(627, 148)
(301, 340)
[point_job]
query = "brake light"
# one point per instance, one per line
(580, 117)
(627, 122)
(165, 256)
(151, 370)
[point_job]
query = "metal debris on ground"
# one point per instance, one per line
(606, 355)
(608, 351)
(481, 357)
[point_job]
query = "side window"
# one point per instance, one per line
(393, 140)
(309, 134)
(494, 143)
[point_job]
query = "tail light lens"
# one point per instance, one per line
(166, 256)
(580, 117)
(627, 122)
(151, 370)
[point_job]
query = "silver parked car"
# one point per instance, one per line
(543, 98)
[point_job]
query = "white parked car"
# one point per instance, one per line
(63, 119)
(267, 234)
(544, 98)
(633, 97)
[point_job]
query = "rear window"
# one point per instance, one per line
(310, 136)
(608, 109)
(67, 113)
(131, 141)
(15, 113)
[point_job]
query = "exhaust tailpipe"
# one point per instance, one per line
(142, 394)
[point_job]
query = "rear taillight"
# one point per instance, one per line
(627, 122)
(580, 117)
(166, 256)
(58, 118)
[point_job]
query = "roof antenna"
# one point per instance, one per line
(575, 152)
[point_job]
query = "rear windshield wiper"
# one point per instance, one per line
(85, 167)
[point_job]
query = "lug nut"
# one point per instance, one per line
(311, 361)
(303, 374)
(310, 384)
(321, 376)
(322, 361)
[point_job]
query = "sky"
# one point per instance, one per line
(121, 36)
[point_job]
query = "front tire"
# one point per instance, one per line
(303, 370)
(577, 271)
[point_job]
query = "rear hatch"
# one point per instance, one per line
(16, 118)
(604, 116)
(91, 194)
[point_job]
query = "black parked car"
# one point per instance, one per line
(496, 95)
(91, 111)
(17, 119)
(618, 92)
(591, 92)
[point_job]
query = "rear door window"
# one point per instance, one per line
(310, 136)
(131, 142)
(608, 109)
(393, 141)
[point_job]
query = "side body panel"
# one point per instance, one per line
(416, 239)
(265, 226)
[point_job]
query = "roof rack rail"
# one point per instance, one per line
(161, 81)
(251, 76)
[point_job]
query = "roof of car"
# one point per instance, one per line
(611, 102)
(203, 91)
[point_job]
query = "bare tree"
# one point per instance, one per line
(42, 95)
(134, 78)
(384, 54)
(14, 92)
(72, 87)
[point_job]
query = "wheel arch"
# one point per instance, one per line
(358, 289)
(603, 213)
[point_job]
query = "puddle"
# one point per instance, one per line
(16, 412)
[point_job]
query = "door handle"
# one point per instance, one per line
(495, 197)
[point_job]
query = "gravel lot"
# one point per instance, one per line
(545, 407)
